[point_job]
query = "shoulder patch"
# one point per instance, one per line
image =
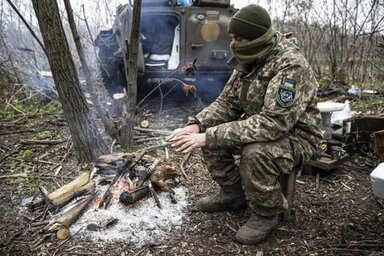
(286, 93)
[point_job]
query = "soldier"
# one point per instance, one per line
(267, 113)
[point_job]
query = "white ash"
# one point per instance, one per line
(139, 224)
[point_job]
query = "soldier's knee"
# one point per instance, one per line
(254, 150)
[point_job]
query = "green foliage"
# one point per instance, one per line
(371, 85)
(30, 108)
(24, 154)
(44, 135)
(373, 104)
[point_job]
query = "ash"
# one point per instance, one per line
(138, 224)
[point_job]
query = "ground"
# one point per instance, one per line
(334, 213)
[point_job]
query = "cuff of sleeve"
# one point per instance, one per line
(211, 138)
(194, 120)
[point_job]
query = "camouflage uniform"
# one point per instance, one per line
(270, 117)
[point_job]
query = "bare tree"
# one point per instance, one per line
(126, 132)
(86, 138)
(108, 123)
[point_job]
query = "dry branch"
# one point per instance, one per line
(26, 176)
(68, 218)
(161, 132)
(186, 157)
(41, 142)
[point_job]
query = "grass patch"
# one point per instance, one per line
(371, 85)
(30, 108)
(45, 135)
(372, 104)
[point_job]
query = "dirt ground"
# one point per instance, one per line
(334, 214)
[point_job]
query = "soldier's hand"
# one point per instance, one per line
(176, 134)
(187, 142)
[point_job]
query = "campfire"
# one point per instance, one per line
(132, 197)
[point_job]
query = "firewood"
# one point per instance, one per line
(63, 233)
(144, 123)
(67, 192)
(153, 193)
(67, 218)
(132, 197)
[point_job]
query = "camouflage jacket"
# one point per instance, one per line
(274, 100)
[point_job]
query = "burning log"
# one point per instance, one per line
(120, 173)
(132, 197)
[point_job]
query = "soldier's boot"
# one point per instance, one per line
(228, 198)
(256, 229)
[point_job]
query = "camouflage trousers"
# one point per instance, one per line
(259, 169)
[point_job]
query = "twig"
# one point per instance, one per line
(39, 223)
(25, 175)
(346, 186)
(153, 193)
(186, 157)
(192, 164)
(58, 169)
(148, 139)
(161, 132)
(41, 142)
(231, 228)
(157, 146)
(166, 151)
(15, 132)
(112, 145)
(44, 162)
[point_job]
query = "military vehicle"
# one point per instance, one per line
(181, 42)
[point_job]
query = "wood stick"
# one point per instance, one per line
(25, 175)
(161, 132)
(157, 146)
(153, 193)
(122, 170)
(149, 139)
(45, 162)
(15, 132)
(186, 157)
(41, 142)
(39, 223)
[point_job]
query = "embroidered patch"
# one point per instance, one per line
(289, 83)
(286, 93)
